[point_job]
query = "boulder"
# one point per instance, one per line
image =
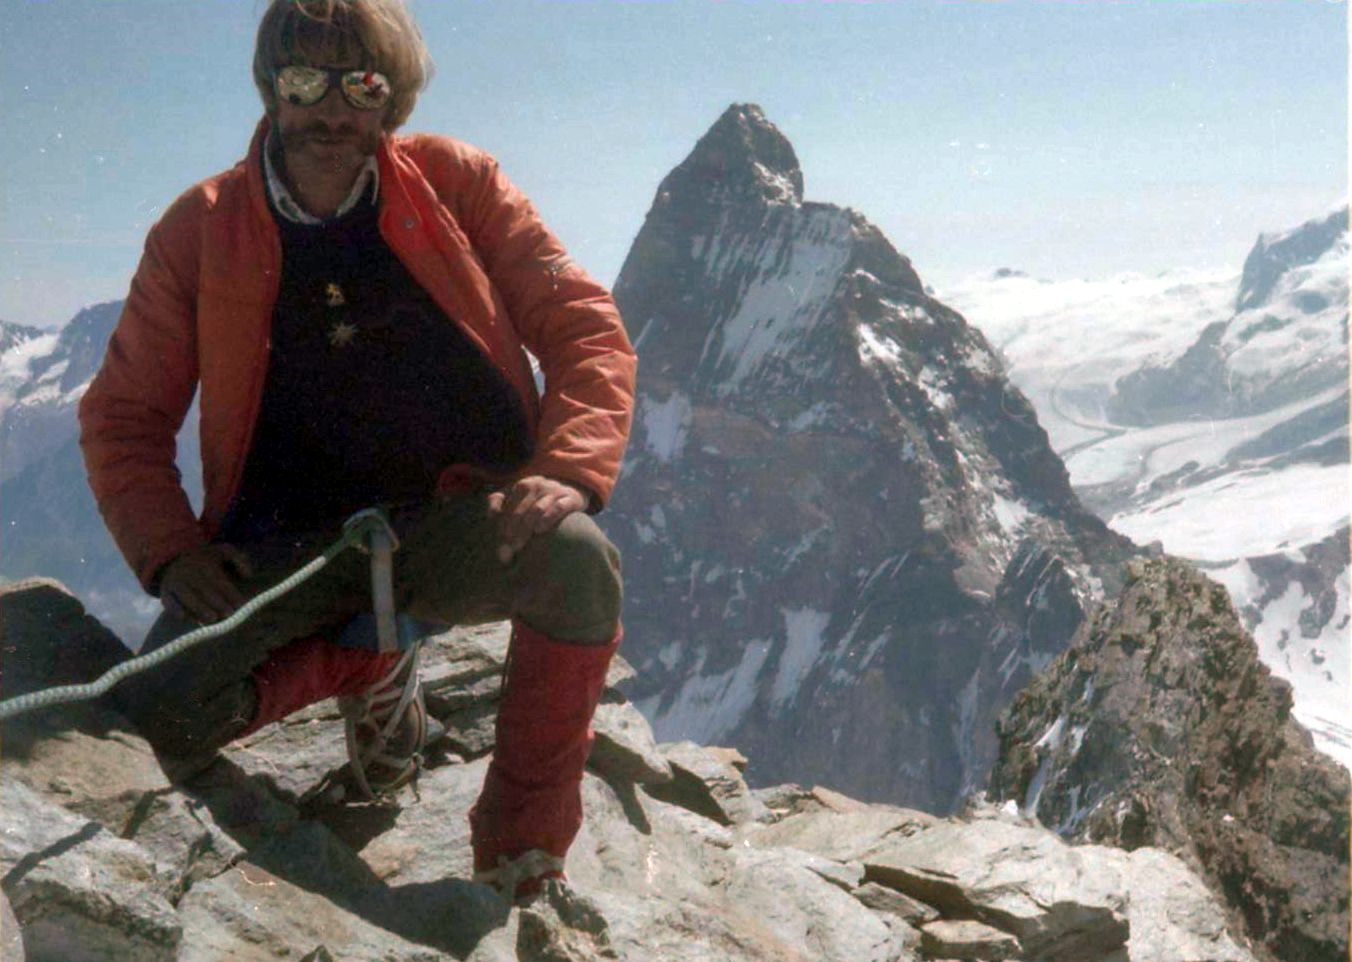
(1061, 903)
(248, 914)
(843, 836)
(77, 891)
(707, 785)
(777, 889)
(888, 901)
(292, 755)
(624, 748)
(1173, 917)
(967, 939)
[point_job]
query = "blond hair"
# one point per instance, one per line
(379, 34)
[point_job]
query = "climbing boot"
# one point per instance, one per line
(523, 878)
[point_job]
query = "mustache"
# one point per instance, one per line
(323, 130)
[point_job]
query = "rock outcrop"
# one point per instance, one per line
(1161, 727)
(254, 858)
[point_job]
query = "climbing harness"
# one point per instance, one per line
(371, 525)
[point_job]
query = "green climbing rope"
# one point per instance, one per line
(354, 530)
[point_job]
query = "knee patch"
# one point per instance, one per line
(569, 582)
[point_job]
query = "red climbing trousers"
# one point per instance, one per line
(309, 670)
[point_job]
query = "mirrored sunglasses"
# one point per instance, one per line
(306, 86)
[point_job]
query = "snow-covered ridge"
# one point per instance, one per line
(1301, 323)
(1277, 252)
(785, 278)
(16, 365)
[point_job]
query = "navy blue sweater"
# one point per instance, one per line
(371, 389)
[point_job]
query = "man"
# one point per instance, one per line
(354, 307)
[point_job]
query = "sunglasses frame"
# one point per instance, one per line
(332, 76)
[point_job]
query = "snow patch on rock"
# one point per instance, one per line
(666, 424)
(803, 629)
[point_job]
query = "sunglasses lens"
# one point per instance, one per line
(302, 86)
(366, 89)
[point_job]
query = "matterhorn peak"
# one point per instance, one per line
(741, 154)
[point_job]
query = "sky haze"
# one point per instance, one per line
(1064, 139)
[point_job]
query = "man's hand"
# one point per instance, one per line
(531, 506)
(199, 584)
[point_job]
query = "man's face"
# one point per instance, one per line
(331, 134)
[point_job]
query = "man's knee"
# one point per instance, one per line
(570, 582)
(191, 702)
(176, 722)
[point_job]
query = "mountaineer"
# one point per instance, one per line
(355, 308)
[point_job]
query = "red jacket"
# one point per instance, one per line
(200, 312)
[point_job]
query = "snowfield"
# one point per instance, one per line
(1066, 343)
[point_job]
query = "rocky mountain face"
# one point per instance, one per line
(258, 858)
(847, 541)
(12, 335)
(1160, 726)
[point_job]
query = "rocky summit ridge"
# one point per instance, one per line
(253, 859)
(1160, 726)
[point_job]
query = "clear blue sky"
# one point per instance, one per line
(1067, 139)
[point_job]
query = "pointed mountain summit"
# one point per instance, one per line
(742, 267)
(742, 153)
(847, 541)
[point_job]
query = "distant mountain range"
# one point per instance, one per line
(49, 524)
(1209, 411)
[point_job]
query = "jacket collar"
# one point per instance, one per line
(256, 175)
(368, 180)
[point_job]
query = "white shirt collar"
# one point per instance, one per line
(292, 211)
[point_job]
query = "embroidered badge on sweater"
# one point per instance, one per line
(342, 334)
(342, 331)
